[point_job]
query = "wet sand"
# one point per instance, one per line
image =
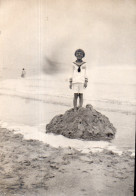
(27, 115)
(31, 168)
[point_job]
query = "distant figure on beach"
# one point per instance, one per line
(23, 73)
(78, 81)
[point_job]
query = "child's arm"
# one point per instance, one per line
(71, 79)
(85, 84)
(86, 79)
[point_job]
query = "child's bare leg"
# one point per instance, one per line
(80, 99)
(75, 100)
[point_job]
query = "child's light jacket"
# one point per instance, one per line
(79, 77)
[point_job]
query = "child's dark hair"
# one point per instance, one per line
(80, 50)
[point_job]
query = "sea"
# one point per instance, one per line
(28, 104)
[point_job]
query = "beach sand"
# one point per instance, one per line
(32, 168)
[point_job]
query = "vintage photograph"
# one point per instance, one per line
(67, 97)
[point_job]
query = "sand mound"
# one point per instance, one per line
(85, 123)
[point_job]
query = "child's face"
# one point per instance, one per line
(79, 55)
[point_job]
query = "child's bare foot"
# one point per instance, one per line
(75, 109)
(79, 106)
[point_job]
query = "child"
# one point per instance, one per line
(23, 73)
(78, 82)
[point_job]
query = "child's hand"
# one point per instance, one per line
(70, 86)
(70, 83)
(85, 84)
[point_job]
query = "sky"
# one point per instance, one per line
(44, 34)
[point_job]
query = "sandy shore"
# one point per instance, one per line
(31, 168)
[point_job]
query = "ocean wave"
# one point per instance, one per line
(115, 84)
(67, 101)
(38, 133)
(115, 101)
(61, 95)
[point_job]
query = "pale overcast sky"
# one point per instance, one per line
(37, 33)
